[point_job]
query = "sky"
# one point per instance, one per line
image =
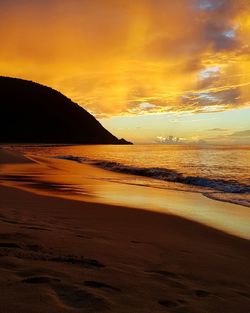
(146, 69)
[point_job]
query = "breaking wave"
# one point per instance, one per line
(164, 174)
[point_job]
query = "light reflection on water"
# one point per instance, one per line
(215, 162)
(206, 165)
(83, 182)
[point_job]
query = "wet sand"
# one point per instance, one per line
(59, 253)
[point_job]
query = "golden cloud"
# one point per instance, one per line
(113, 56)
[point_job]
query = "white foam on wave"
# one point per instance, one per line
(168, 175)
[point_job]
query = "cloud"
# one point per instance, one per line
(170, 140)
(218, 129)
(243, 133)
(118, 57)
(146, 106)
(223, 136)
(210, 5)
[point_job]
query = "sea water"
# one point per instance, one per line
(218, 172)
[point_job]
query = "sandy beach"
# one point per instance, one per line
(61, 252)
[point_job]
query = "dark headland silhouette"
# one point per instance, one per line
(33, 113)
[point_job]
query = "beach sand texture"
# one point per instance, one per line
(64, 255)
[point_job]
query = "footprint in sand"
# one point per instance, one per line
(85, 262)
(171, 303)
(95, 284)
(69, 295)
(77, 298)
(165, 273)
(9, 245)
(14, 236)
(36, 228)
(40, 280)
(34, 247)
(244, 294)
(84, 236)
(172, 279)
(202, 293)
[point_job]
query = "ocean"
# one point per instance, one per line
(218, 172)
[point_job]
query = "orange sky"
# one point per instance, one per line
(131, 58)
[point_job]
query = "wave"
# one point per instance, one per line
(236, 198)
(72, 158)
(164, 174)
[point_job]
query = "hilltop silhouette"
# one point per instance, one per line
(33, 113)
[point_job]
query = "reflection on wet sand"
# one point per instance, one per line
(87, 183)
(87, 256)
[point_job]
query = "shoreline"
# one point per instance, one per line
(72, 180)
(149, 179)
(65, 255)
